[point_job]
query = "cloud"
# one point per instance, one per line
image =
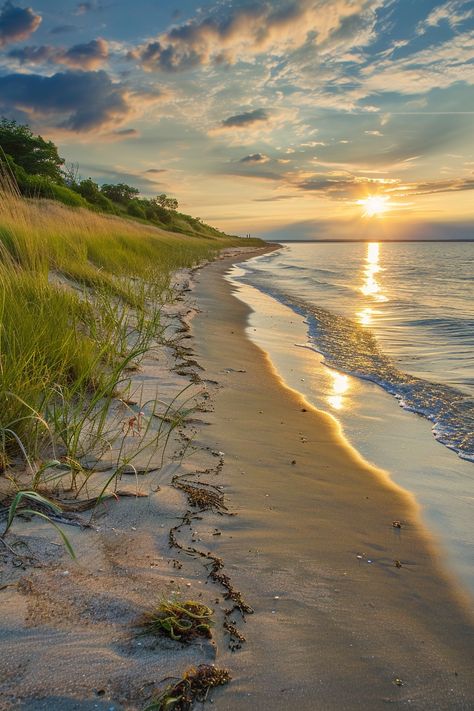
(87, 56)
(255, 158)
(431, 187)
(276, 198)
(155, 171)
(436, 67)
(241, 31)
(126, 133)
(90, 55)
(17, 23)
(62, 29)
(454, 12)
(77, 101)
(345, 186)
(248, 127)
(246, 119)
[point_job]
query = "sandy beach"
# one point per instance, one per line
(309, 543)
(337, 624)
(237, 355)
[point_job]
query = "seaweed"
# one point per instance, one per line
(204, 497)
(195, 685)
(216, 566)
(181, 621)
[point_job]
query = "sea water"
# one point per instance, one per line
(390, 331)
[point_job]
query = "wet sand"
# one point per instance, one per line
(337, 624)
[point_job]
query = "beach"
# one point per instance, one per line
(338, 625)
(350, 611)
(236, 355)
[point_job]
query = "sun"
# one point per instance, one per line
(374, 205)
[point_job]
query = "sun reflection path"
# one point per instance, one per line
(340, 386)
(371, 286)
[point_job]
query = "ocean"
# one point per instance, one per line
(389, 331)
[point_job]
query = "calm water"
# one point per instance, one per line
(400, 315)
(394, 323)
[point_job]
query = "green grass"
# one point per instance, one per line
(80, 299)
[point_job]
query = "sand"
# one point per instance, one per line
(312, 549)
(337, 625)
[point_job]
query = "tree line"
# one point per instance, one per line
(40, 172)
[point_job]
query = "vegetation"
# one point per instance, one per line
(194, 686)
(40, 172)
(181, 621)
(81, 295)
(31, 153)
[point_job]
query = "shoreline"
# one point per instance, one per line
(337, 576)
(397, 441)
(310, 641)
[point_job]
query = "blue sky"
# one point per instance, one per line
(259, 116)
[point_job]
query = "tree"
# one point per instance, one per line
(71, 175)
(121, 192)
(155, 212)
(91, 192)
(32, 153)
(166, 202)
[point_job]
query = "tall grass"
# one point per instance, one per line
(80, 299)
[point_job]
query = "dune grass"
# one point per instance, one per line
(80, 300)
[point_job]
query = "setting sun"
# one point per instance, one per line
(374, 205)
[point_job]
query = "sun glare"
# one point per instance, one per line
(374, 205)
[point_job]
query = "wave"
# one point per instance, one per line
(353, 349)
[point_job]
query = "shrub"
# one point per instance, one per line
(134, 209)
(90, 191)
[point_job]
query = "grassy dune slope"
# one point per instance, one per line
(80, 300)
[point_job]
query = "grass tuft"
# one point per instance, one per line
(181, 621)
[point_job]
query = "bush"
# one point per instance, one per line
(134, 209)
(67, 196)
(90, 191)
(39, 186)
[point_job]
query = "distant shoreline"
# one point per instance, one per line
(365, 241)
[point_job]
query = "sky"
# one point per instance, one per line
(277, 119)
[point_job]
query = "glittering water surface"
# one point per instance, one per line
(400, 315)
